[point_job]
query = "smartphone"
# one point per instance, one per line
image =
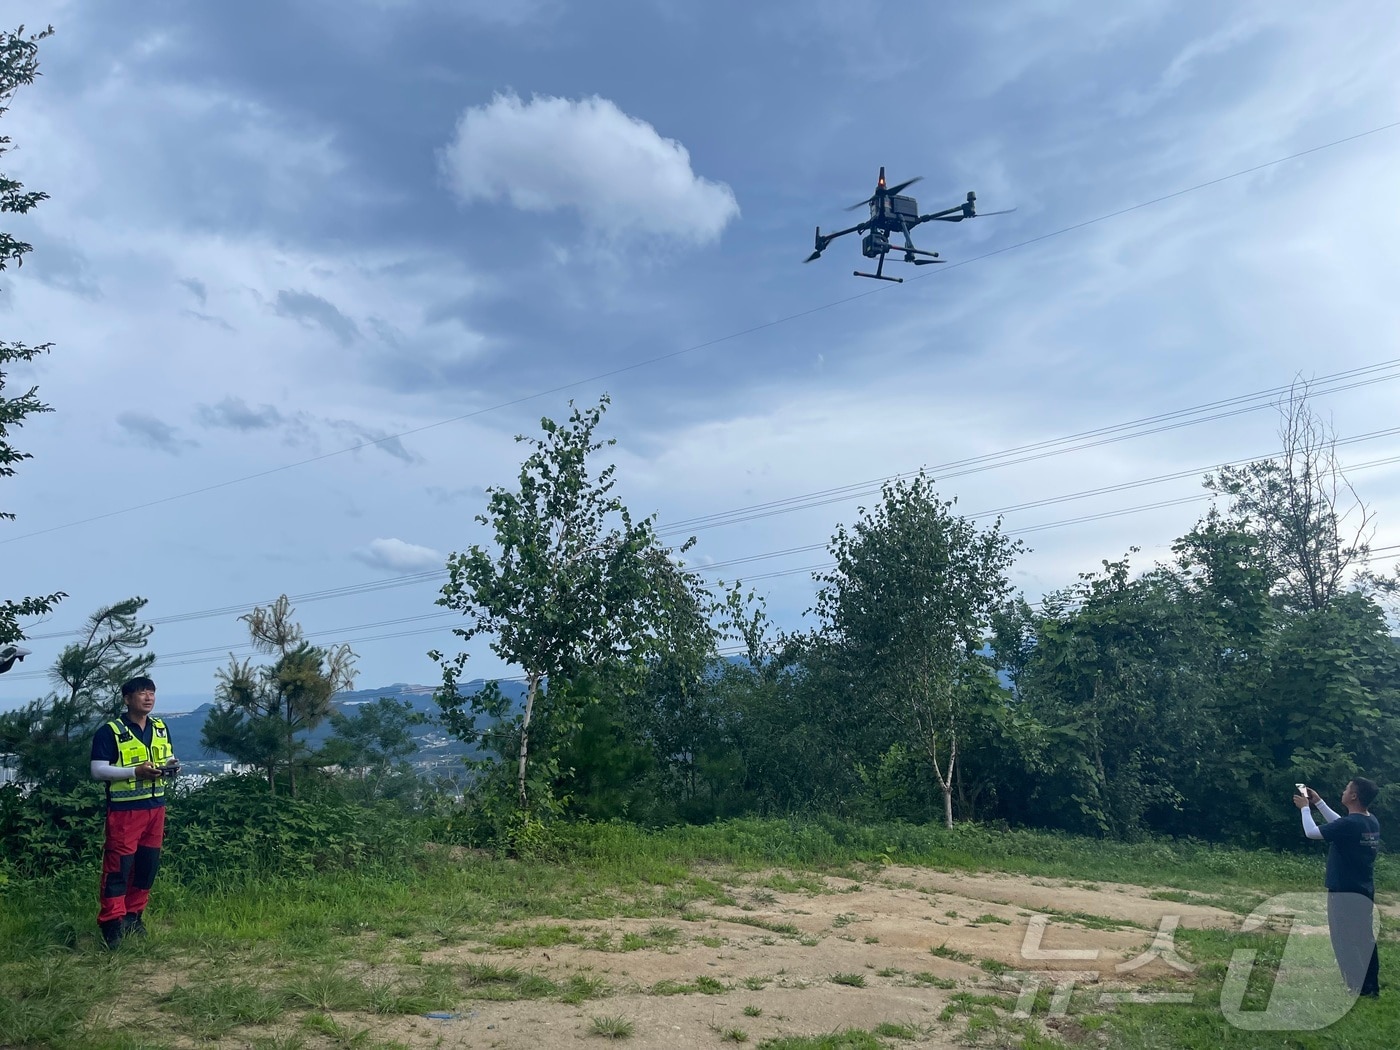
(1302, 789)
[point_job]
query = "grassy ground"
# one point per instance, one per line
(284, 963)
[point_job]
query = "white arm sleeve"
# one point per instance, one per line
(1328, 813)
(1310, 825)
(107, 771)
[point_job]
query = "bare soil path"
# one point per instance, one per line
(894, 949)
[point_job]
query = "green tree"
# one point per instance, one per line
(1188, 699)
(671, 706)
(19, 66)
(1303, 653)
(375, 741)
(908, 607)
(573, 584)
(1120, 683)
(259, 711)
(791, 731)
(1314, 531)
(51, 736)
(608, 769)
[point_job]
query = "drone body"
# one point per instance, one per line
(9, 655)
(893, 213)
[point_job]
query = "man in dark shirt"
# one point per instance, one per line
(1352, 844)
(132, 755)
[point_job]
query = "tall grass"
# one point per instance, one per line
(832, 843)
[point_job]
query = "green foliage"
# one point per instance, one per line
(19, 66)
(45, 831)
(489, 981)
(229, 827)
(1202, 1025)
(900, 786)
(606, 768)
(1312, 529)
(51, 738)
(209, 1009)
(1121, 672)
(52, 817)
(47, 1000)
(372, 747)
(572, 587)
(905, 612)
(611, 1026)
(260, 711)
(849, 1039)
(1188, 700)
(232, 825)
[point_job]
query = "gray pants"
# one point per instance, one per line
(1350, 921)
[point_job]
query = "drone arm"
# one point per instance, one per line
(957, 214)
(828, 237)
(824, 239)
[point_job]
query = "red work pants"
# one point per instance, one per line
(130, 859)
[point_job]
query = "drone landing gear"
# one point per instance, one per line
(879, 274)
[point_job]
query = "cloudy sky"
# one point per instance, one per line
(309, 266)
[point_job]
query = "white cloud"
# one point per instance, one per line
(399, 556)
(588, 155)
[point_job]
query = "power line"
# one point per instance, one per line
(1158, 200)
(202, 656)
(433, 575)
(348, 591)
(146, 504)
(1036, 451)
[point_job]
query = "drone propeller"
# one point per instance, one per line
(903, 185)
(814, 256)
(1004, 211)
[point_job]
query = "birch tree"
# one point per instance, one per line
(572, 583)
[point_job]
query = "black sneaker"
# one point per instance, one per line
(132, 926)
(112, 931)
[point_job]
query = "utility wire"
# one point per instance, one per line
(845, 492)
(848, 492)
(203, 656)
(1321, 385)
(146, 504)
(1158, 200)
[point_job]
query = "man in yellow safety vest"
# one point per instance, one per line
(132, 754)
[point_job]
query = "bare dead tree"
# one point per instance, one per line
(1315, 529)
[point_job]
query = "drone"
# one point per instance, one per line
(893, 213)
(9, 654)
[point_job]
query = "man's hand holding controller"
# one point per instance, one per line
(150, 771)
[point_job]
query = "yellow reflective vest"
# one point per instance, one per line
(132, 752)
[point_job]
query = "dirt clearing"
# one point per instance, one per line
(803, 955)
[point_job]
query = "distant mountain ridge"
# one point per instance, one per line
(186, 727)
